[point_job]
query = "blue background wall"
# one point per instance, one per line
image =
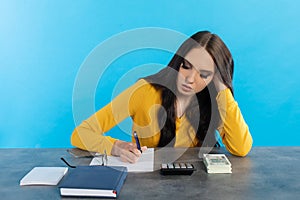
(44, 43)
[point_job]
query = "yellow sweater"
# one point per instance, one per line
(141, 102)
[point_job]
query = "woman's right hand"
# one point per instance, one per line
(127, 151)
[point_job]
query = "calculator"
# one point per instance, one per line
(177, 169)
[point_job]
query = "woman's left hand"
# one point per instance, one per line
(218, 82)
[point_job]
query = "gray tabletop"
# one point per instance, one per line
(266, 173)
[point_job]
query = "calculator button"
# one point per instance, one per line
(176, 165)
(189, 166)
(164, 166)
(170, 166)
(182, 165)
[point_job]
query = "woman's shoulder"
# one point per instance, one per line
(144, 85)
(144, 94)
(144, 89)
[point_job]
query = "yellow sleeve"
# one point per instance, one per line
(89, 134)
(233, 128)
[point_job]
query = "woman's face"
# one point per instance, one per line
(196, 71)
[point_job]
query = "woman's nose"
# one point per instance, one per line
(190, 78)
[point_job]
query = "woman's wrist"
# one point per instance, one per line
(115, 151)
(220, 86)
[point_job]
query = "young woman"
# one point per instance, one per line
(181, 106)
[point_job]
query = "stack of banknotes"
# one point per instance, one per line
(216, 163)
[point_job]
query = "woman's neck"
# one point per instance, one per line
(182, 102)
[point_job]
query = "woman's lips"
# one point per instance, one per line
(186, 88)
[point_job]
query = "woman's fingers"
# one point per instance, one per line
(144, 148)
(128, 156)
(127, 151)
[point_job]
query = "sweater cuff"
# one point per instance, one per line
(109, 144)
(224, 97)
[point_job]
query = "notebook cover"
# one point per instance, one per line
(85, 180)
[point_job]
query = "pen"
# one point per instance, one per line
(137, 141)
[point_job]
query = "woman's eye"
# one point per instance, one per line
(204, 75)
(186, 66)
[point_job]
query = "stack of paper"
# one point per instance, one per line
(217, 163)
(44, 176)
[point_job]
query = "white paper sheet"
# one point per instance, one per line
(144, 164)
(44, 176)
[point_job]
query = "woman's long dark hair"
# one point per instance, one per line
(202, 112)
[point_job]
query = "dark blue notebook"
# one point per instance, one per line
(93, 181)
